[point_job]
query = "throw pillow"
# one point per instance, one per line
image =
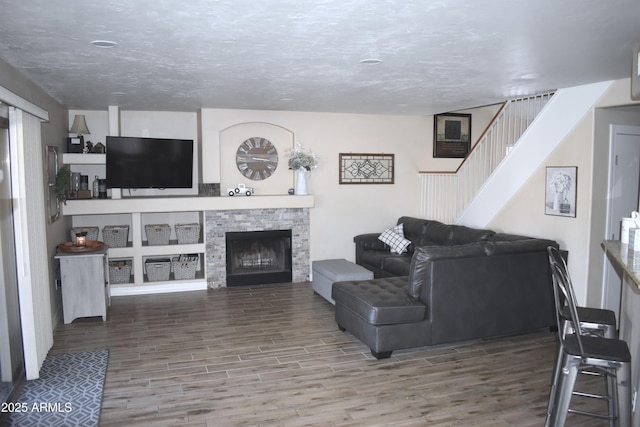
(394, 237)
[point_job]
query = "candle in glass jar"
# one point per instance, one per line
(81, 239)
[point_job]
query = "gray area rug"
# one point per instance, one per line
(68, 392)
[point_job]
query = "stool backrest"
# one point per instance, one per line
(563, 294)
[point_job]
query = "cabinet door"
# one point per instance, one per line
(83, 282)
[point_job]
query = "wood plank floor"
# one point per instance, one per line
(272, 356)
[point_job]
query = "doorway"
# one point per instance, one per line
(11, 353)
(624, 187)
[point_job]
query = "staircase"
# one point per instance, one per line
(526, 129)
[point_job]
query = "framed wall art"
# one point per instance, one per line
(366, 168)
(560, 193)
(451, 135)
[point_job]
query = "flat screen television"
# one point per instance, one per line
(149, 162)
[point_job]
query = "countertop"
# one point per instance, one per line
(624, 257)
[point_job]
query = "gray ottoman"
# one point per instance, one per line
(329, 271)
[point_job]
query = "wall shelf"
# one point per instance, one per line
(83, 159)
(183, 204)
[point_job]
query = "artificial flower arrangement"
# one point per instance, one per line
(301, 158)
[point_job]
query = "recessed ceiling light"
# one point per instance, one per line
(104, 44)
(370, 61)
(286, 99)
(118, 93)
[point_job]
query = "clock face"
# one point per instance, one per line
(257, 158)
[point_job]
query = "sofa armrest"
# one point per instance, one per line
(370, 241)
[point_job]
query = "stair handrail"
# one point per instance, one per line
(445, 194)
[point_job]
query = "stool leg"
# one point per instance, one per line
(554, 383)
(566, 382)
(610, 331)
(612, 398)
(623, 383)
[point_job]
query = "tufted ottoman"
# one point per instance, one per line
(381, 314)
(329, 271)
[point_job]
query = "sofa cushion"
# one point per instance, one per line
(436, 232)
(461, 234)
(499, 237)
(518, 246)
(394, 237)
(414, 229)
(419, 273)
(380, 301)
(397, 265)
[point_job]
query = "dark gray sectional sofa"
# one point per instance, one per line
(455, 283)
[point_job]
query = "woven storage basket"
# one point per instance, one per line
(92, 232)
(119, 272)
(158, 270)
(115, 236)
(184, 266)
(188, 233)
(157, 234)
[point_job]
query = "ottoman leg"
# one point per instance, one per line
(341, 328)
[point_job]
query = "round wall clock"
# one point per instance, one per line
(257, 158)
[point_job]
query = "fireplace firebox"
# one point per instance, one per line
(258, 257)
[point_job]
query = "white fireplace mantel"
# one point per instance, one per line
(184, 204)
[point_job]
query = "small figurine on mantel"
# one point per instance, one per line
(99, 148)
(88, 147)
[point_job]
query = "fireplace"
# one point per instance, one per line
(258, 257)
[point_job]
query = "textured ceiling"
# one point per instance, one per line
(305, 55)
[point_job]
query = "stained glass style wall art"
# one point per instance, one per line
(366, 168)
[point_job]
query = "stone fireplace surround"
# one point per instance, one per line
(219, 222)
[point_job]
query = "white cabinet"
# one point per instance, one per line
(85, 284)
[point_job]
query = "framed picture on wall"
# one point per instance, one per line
(451, 135)
(560, 193)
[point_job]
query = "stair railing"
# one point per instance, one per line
(444, 195)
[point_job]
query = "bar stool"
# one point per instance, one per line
(580, 350)
(594, 321)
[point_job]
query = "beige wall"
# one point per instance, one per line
(525, 212)
(341, 211)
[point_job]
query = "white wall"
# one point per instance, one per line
(341, 211)
(525, 212)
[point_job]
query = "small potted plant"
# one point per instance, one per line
(63, 179)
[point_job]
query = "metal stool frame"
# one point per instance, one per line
(580, 350)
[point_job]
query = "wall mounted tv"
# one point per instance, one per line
(149, 162)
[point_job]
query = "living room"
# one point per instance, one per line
(343, 211)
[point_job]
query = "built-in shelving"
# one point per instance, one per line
(137, 212)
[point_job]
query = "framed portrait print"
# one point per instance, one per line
(451, 135)
(560, 193)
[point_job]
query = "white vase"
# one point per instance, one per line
(301, 182)
(557, 200)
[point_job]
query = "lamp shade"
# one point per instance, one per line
(79, 125)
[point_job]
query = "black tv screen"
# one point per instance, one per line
(149, 162)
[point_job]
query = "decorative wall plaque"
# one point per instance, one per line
(366, 168)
